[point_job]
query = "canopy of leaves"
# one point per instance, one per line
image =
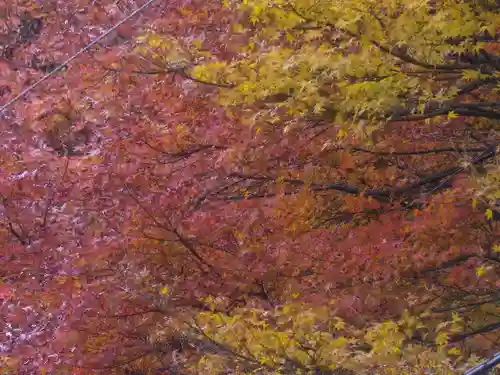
(300, 339)
(255, 186)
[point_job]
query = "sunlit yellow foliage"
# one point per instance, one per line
(303, 339)
(358, 64)
(164, 51)
(360, 60)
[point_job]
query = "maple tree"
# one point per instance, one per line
(352, 155)
(306, 340)
(311, 64)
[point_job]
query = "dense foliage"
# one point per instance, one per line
(250, 187)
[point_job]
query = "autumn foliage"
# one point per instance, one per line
(250, 187)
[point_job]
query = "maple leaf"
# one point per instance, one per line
(481, 271)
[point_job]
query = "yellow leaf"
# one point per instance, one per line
(452, 115)
(339, 324)
(339, 343)
(456, 318)
(496, 249)
(442, 339)
(474, 203)
(481, 271)
(454, 351)
(164, 291)
(238, 28)
(342, 133)
(471, 75)
(489, 214)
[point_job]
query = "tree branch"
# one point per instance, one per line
(466, 306)
(485, 367)
(382, 195)
(486, 329)
(415, 153)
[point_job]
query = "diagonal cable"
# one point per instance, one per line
(70, 59)
(485, 367)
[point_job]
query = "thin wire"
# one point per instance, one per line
(69, 60)
(485, 367)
